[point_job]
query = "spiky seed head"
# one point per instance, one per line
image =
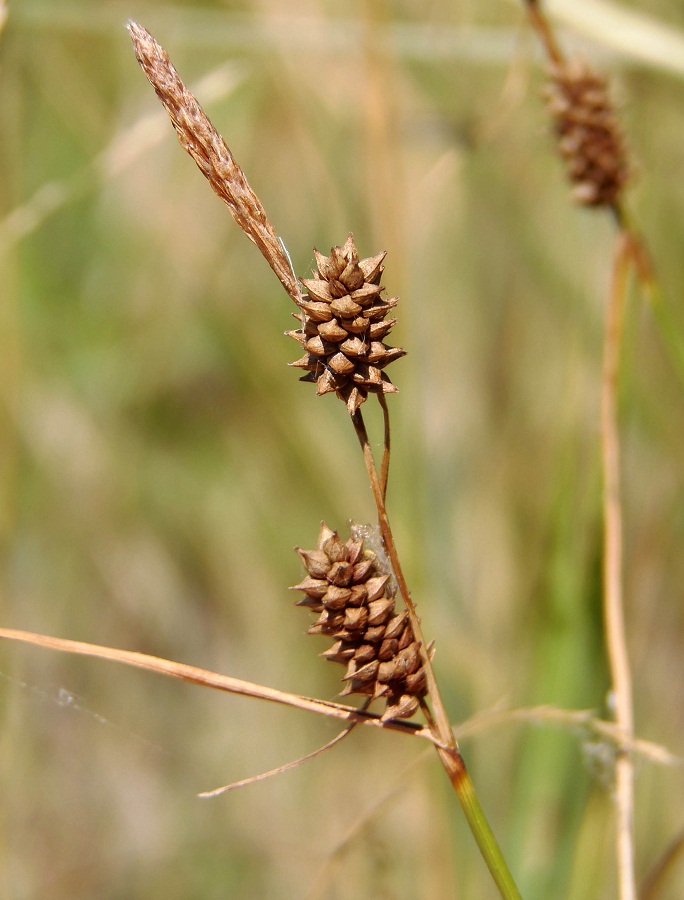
(343, 325)
(348, 586)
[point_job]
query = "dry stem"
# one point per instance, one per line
(541, 25)
(612, 572)
(384, 469)
(443, 726)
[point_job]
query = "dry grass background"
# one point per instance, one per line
(159, 462)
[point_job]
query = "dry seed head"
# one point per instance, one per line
(343, 325)
(589, 137)
(352, 592)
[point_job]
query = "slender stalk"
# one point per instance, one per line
(449, 754)
(613, 609)
(384, 469)
(443, 725)
(346, 731)
(545, 32)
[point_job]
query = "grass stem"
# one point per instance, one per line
(613, 605)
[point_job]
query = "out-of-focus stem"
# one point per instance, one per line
(613, 607)
(543, 29)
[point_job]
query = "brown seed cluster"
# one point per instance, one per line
(589, 137)
(352, 591)
(343, 326)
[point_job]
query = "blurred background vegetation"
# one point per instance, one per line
(158, 461)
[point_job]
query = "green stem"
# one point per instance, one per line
(479, 826)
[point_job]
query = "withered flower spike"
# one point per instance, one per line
(376, 645)
(202, 141)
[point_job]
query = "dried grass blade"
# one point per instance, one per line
(202, 141)
(206, 678)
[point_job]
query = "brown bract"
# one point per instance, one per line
(589, 137)
(353, 594)
(343, 326)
